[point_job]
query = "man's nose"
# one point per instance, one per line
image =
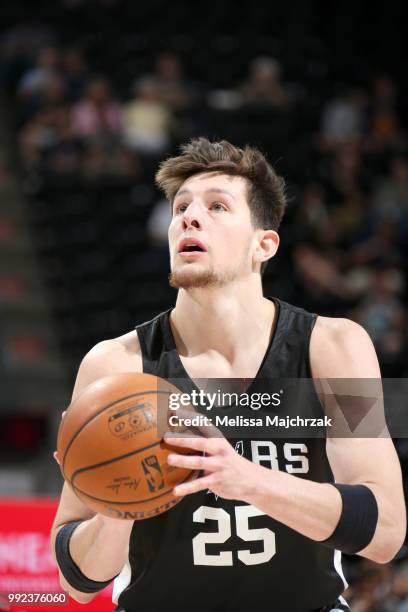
(192, 217)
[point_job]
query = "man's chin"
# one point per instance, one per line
(193, 279)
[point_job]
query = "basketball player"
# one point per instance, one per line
(257, 531)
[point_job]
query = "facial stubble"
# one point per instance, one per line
(189, 277)
(194, 279)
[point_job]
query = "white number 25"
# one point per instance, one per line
(223, 533)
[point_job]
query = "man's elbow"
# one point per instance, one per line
(386, 546)
(80, 597)
(386, 555)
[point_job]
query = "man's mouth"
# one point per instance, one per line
(189, 245)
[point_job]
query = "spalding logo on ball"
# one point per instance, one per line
(110, 450)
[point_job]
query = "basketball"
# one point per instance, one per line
(111, 449)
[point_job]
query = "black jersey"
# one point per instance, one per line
(210, 554)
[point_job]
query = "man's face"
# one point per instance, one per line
(211, 235)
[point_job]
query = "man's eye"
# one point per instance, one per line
(217, 206)
(180, 208)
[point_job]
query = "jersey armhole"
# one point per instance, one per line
(142, 344)
(309, 373)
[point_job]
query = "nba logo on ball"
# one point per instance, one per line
(153, 473)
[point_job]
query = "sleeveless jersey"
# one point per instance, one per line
(210, 554)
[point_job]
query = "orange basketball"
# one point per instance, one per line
(111, 450)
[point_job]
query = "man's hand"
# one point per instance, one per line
(226, 473)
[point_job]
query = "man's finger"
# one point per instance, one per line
(206, 445)
(199, 484)
(193, 462)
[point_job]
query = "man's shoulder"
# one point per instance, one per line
(115, 354)
(341, 347)
(126, 343)
(335, 328)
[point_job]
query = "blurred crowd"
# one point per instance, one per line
(377, 588)
(347, 224)
(343, 149)
(72, 123)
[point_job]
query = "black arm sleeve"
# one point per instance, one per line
(358, 519)
(67, 565)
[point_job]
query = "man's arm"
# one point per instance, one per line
(99, 545)
(339, 349)
(343, 349)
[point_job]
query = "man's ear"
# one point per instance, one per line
(268, 244)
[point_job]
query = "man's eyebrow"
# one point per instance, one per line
(182, 192)
(212, 190)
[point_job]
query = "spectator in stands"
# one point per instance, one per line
(55, 94)
(312, 214)
(42, 87)
(350, 219)
(47, 127)
(39, 76)
(321, 277)
(43, 134)
(385, 126)
(398, 598)
(382, 245)
(97, 115)
(344, 175)
(174, 91)
(158, 224)
(147, 122)
(75, 71)
(344, 119)
(63, 156)
(391, 197)
(381, 313)
(52, 97)
(264, 85)
(104, 164)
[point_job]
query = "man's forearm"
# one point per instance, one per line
(99, 547)
(314, 509)
(311, 508)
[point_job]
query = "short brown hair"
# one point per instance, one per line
(266, 189)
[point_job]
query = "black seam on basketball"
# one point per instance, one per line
(119, 503)
(102, 410)
(169, 504)
(102, 463)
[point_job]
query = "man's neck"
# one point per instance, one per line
(225, 319)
